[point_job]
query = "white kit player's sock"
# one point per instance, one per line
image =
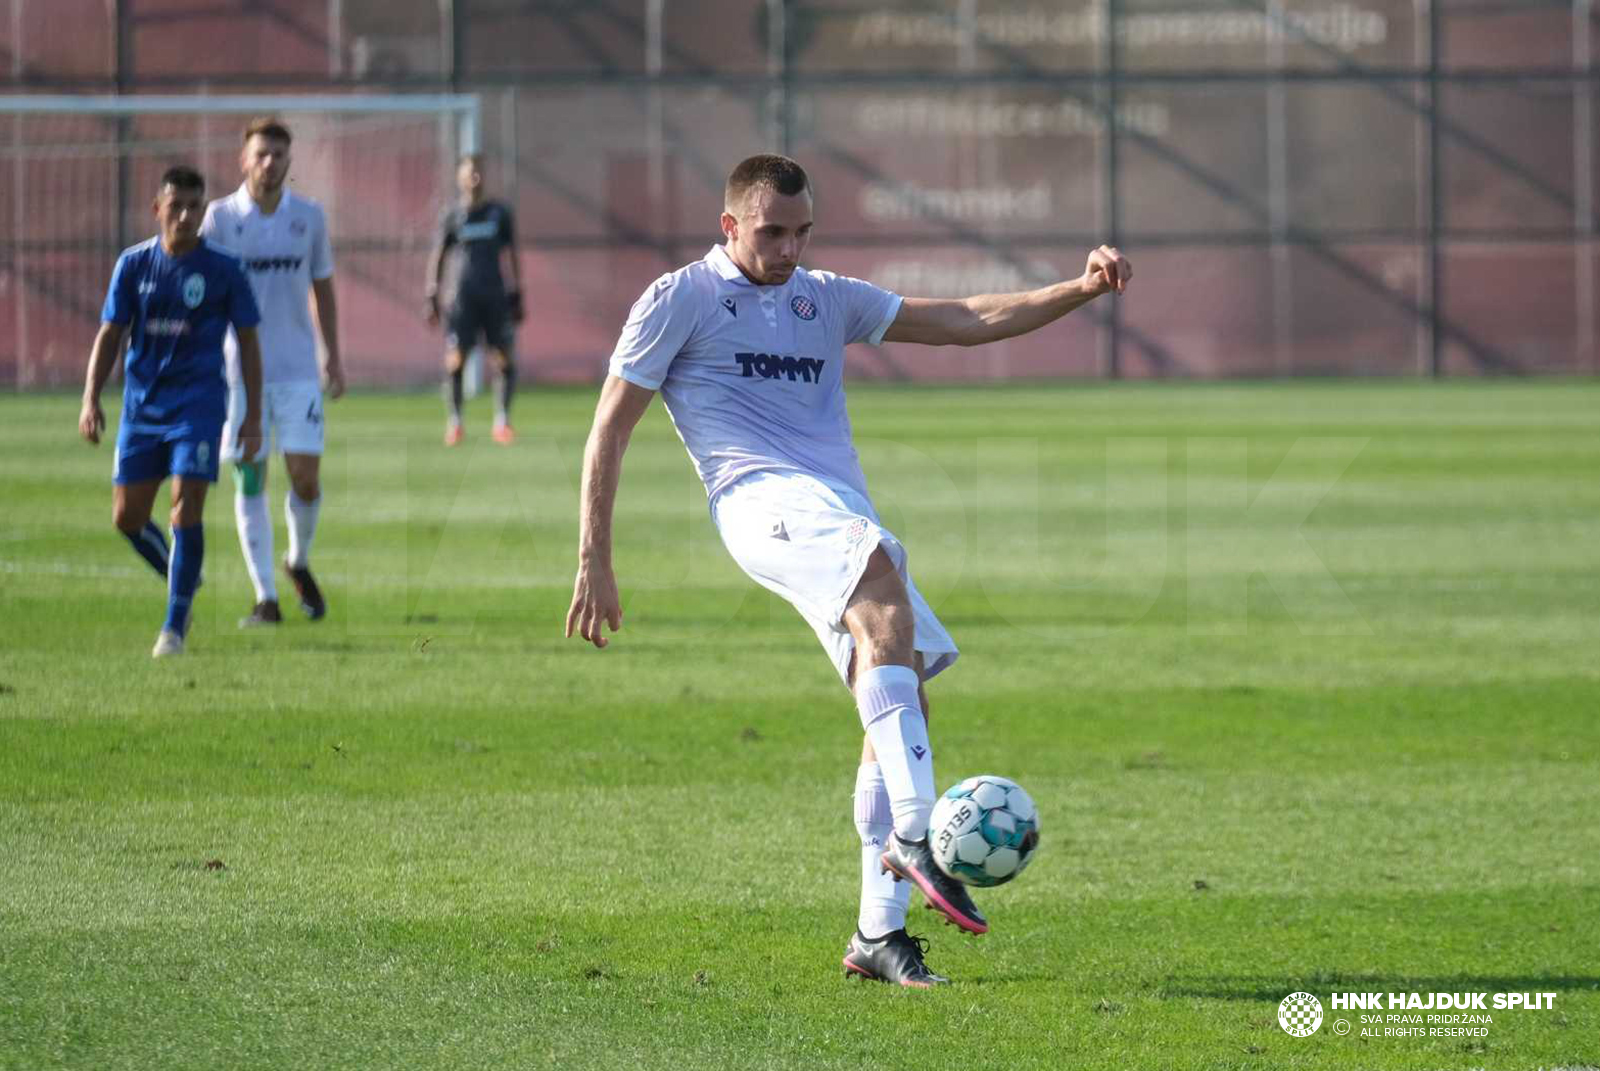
(886, 697)
(302, 518)
(255, 539)
(884, 901)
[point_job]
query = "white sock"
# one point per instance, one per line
(255, 539)
(302, 518)
(886, 697)
(884, 901)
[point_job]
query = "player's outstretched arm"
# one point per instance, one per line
(594, 593)
(991, 317)
(107, 344)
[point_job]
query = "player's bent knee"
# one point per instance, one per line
(188, 503)
(127, 520)
(305, 472)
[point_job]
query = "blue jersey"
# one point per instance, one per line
(178, 310)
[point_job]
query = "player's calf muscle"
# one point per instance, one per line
(885, 634)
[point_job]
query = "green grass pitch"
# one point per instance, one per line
(1305, 679)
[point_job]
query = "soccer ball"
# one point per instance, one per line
(984, 830)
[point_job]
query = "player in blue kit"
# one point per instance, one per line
(173, 297)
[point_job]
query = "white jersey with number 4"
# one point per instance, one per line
(753, 376)
(282, 254)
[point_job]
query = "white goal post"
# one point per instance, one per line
(77, 174)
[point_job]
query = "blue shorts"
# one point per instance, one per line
(155, 454)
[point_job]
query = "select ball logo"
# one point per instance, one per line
(984, 830)
(1300, 1014)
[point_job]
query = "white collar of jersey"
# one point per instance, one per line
(246, 204)
(724, 266)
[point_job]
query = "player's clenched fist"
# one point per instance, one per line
(594, 599)
(1108, 271)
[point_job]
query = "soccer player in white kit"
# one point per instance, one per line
(747, 349)
(282, 238)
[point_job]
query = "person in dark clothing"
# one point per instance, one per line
(475, 235)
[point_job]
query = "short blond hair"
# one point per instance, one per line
(268, 126)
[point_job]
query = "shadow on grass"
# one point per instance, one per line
(1267, 989)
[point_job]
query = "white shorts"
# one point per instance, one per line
(809, 540)
(291, 419)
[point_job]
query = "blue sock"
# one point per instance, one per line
(188, 551)
(151, 546)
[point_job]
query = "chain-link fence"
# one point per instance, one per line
(1315, 187)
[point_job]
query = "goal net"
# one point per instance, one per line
(78, 175)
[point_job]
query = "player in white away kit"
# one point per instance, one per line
(747, 349)
(283, 241)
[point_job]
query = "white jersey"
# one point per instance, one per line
(753, 376)
(282, 254)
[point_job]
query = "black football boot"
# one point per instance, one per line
(262, 614)
(305, 586)
(895, 957)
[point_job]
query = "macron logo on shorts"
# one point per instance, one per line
(772, 366)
